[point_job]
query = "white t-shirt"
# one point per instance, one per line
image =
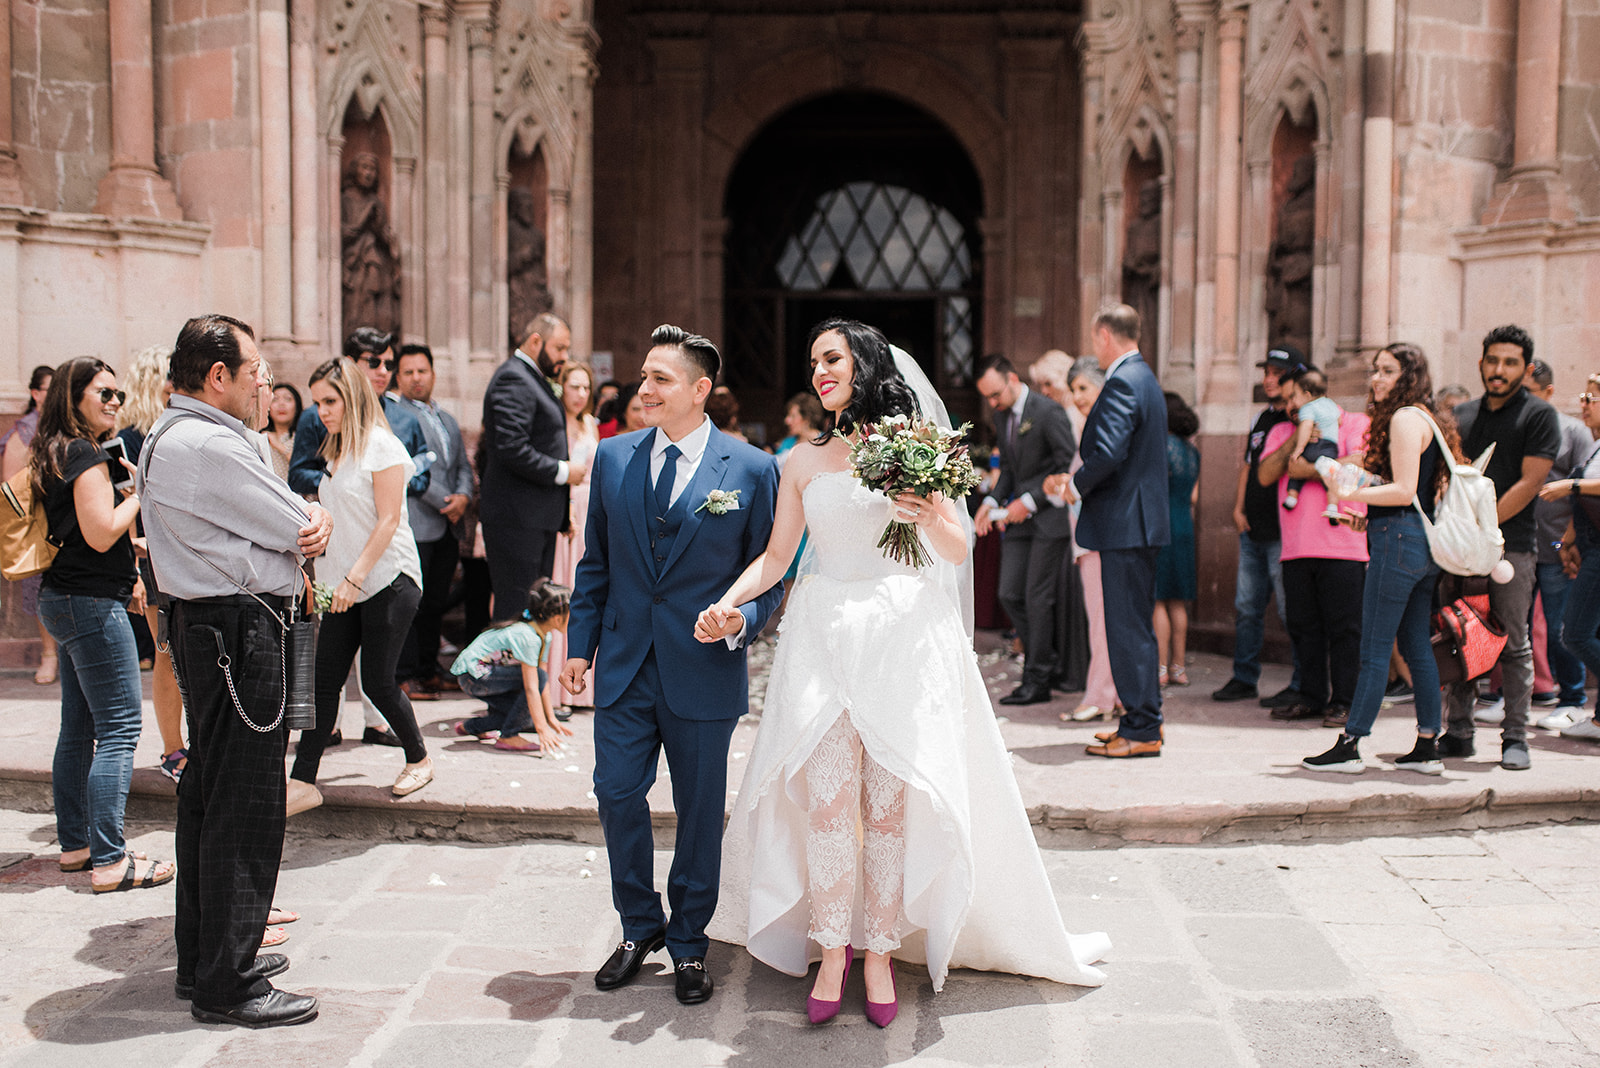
(347, 495)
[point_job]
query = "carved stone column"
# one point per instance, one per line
(1091, 215)
(1535, 189)
(1377, 154)
(1029, 66)
(580, 292)
(1225, 379)
(1177, 364)
(681, 63)
(436, 174)
(133, 188)
(487, 335)
(277, 259)
(11, 191)
(305, 161)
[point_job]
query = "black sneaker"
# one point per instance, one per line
(1398, 692)
(1234, 690)
(1548, 699)
(1284, 698)
(1345, 757)
(1423, 758)
(1451, 746)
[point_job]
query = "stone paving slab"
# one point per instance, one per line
(428, 953)
(1228, 773)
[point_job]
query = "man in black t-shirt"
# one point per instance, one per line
(1255, 514)
(1526, 435)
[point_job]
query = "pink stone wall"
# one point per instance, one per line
(61, 102)
(1579, 131)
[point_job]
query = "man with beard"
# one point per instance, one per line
(523, 464)
(1526, 436)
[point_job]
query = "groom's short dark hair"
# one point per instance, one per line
(697, 350)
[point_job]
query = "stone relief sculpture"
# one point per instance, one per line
(1141, 266)
(371, 256)
(526, 277)
(1288, 281)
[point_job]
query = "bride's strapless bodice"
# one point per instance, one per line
(844, 521)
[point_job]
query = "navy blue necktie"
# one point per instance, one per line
(669, 471)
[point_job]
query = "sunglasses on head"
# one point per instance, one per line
(107, 395)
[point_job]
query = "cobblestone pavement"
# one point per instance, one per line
(1465, 949)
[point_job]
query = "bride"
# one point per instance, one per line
(876, 713)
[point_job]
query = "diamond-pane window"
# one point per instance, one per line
(890, 238)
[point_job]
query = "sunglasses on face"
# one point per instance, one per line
(373, 362)
(1587, 398)
(107, 395)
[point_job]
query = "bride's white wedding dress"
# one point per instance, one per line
(875, 638)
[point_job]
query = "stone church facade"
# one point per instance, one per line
(975, 175)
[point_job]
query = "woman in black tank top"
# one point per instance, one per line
(1397, 599)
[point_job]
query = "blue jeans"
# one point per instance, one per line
(1581, 620)
(1554, 588)
(502, 690)
(1396, 606)
(1260, 578)
(100, 717)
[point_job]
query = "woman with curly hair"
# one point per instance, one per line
(149, 387)
(1397, 598)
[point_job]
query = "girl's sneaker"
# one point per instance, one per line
(1345, 757)
(1423, 758)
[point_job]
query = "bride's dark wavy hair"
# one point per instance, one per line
(876, 389)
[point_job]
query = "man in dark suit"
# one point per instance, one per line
(1122, 487)
(525, 474)
(1035, 440)
(658, 549)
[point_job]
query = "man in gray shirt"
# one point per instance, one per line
(226, 538)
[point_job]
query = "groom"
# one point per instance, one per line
(675, 513)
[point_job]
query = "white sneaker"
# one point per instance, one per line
(1562, 718)
(1491, 713)
(1586, 729)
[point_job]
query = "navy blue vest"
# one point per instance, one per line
(663, 530)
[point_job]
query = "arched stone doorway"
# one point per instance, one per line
(851, 204)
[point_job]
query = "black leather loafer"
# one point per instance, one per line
(620, 968)
(1026, 695)
(694, 983)
(276, 1008)
(267, 965)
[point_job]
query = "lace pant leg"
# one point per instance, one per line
(832, 784)
(883, 806)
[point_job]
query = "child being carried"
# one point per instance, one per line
(1308, 393)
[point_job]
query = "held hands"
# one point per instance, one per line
(136, 603)
(717, 622)
(572, 678)
(314, 535)
(455, 506)
(1559, 490)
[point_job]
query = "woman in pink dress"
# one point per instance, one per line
(583, 438)
(1100, 691)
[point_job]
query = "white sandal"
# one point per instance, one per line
(414, 778)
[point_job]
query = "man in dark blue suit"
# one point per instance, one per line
(1122, 487)
(676, 512)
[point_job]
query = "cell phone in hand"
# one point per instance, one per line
(121, 477)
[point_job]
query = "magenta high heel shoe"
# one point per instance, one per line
(819, 1011)
(883, 1012)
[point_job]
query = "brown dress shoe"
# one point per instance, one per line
(416, 691)
(1106, 736)
(1124, 747)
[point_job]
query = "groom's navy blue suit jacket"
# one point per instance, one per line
(624, 605)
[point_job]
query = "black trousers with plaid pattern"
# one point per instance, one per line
(231, 797)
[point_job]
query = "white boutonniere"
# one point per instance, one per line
(720, 502)
(1027, 425)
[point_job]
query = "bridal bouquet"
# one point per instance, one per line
(902, 454)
